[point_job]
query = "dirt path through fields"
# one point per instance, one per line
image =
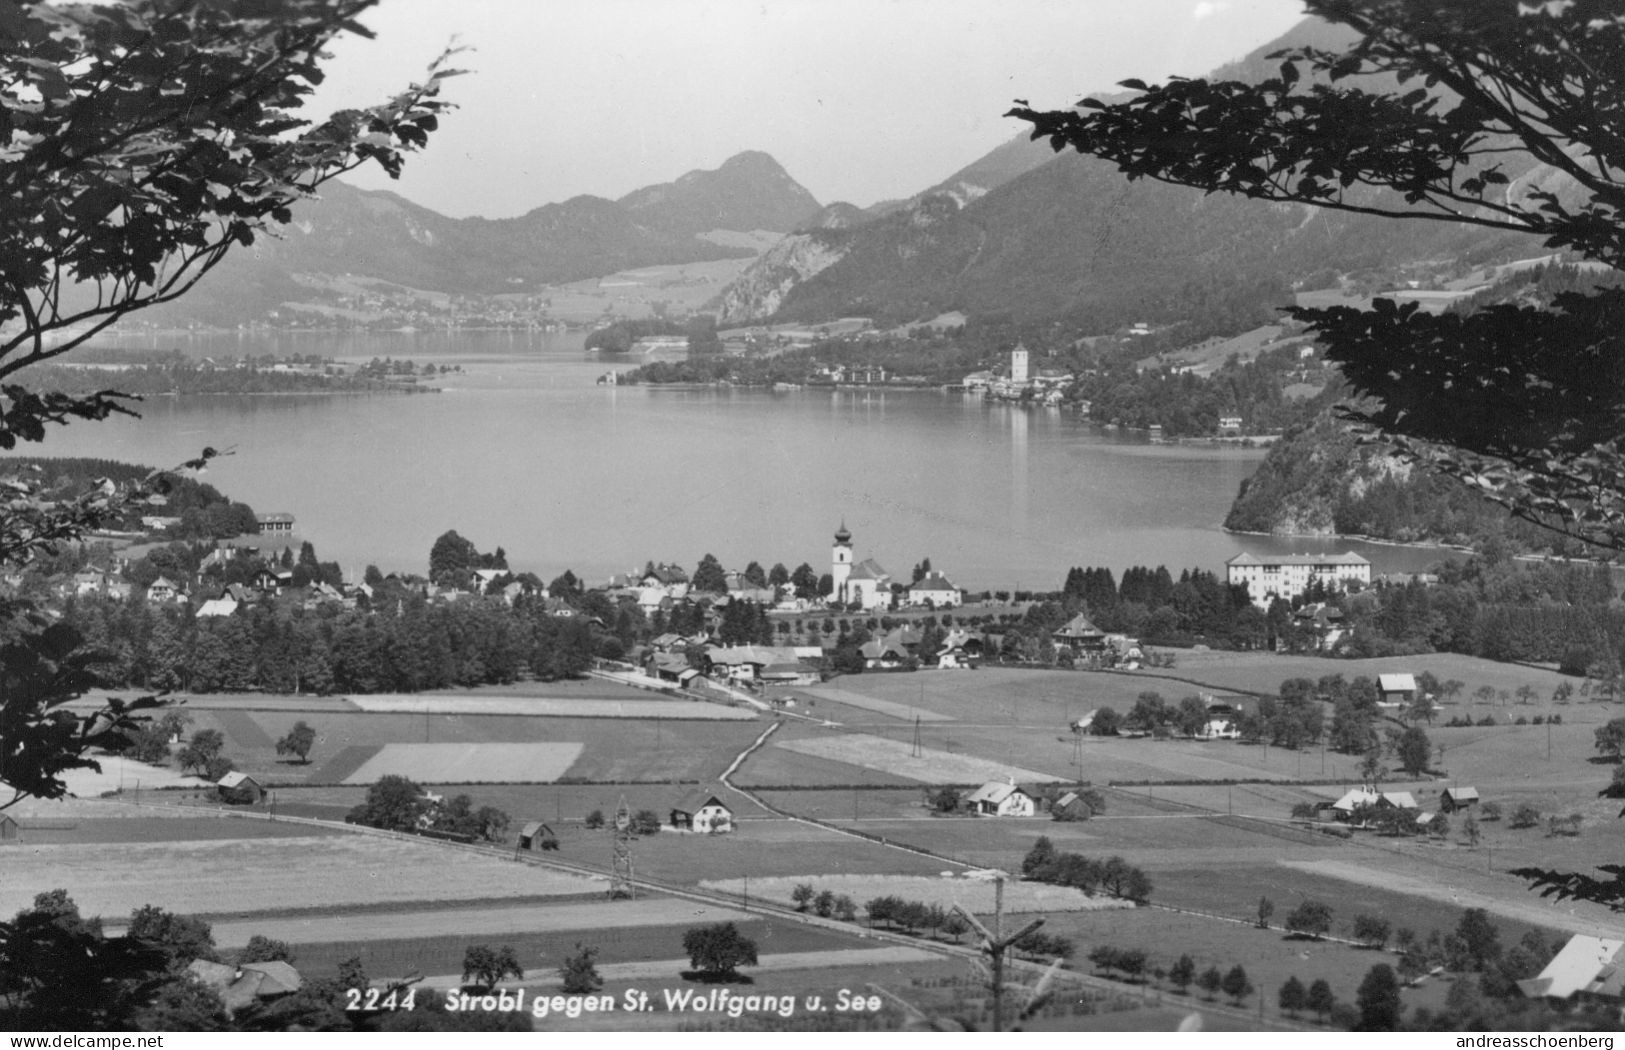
(1469, 890)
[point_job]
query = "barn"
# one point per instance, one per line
(1396, 688)
(1452, 799)
(537, 836)
(10, 831)
(239, 789)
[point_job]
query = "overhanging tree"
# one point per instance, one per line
(1500, 114)
(139, 143)
(1493, 113)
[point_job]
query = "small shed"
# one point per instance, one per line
(10, 830)
(239, 789)
(537, 836)
(1396, 688)
(1070, 806)
(704, 813)
(1453, 799)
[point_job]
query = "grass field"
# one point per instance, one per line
(759, 849)
(611, 749)
(1147, 840)
(571, 918)
(973, 894)
(541, 952)
(141, 828)
(1268, 956)
(551, 707)
(1264, 672)
(778, 765)
(893, 756)
(487, 763)
(237, 875)
(852, 698)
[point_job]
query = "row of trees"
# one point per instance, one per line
(1114, 876)
(826, 903)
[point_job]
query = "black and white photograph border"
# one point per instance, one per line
(798, 516)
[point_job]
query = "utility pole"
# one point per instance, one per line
(995, 945)
(620, 885)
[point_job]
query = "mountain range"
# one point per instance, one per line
(1021, 233)
(382, 236)
(1037, 236)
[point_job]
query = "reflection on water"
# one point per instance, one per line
(523, 450)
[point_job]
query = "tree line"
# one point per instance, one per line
(403, 644)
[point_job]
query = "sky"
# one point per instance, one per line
(859, 100)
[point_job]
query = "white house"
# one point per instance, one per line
(163, 589)
(936, 591)
(704, 813)
(1271, 576)
(1363, 797)
(1000, 798)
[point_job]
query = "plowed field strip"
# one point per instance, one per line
(346, 762)
(243, 730)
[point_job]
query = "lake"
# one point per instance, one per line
(525, 451)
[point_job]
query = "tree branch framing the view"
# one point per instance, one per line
(143, 141)
(1493, 113)
(139, 143)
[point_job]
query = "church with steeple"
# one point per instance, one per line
(862, 583)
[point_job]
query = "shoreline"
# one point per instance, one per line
(1414, 545)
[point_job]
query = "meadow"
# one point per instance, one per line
(974, 894)
(269, 874)
(610, 749)
(541, 952)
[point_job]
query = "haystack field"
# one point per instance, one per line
(894, 756)
(469, 763)
(264, 875)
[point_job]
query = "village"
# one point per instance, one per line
(887, 742)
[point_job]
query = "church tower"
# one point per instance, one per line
(841, 561)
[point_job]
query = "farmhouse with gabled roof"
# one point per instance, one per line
(1000, 798)
(1587, 968)
(703, 812)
